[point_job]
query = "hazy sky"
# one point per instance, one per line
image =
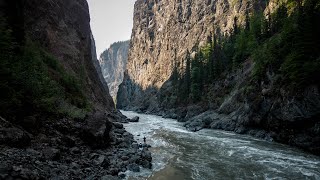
(111, 21)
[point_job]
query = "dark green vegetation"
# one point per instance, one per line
(286, 42)
(32, 82)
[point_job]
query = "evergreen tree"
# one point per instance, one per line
(187, 78)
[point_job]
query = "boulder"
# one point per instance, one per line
(119, 131)
(201, 121)
(96, 131)
(135, 119)
(14, 137)
(133, 167)
(146, 155)
(117, 125)
(122, 175)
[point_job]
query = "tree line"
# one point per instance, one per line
(286, 42)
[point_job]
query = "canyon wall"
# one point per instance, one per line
(63, 29)
(55, 107)
(113, 62)
(164, 31)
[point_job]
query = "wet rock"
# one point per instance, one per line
(171, 114)
(146, 164)
(118, 125)
(146, 145)
(227, 125)
(135, 119)
(145, 159)
(125, 121)
(121, 175)
(114, 171)
(146, 155)
(119, 131)
(109, 177)
(133, 167)
(203, 120)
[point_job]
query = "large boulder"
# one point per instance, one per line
(201, 121)
(133, 167)
(96, 130)
(134, 119)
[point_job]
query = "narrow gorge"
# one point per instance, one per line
(228, 65)
(201, 89)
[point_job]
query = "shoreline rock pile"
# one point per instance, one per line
(65, 149)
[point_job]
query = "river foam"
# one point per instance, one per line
(213, 154)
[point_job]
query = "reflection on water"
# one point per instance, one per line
(212, 154)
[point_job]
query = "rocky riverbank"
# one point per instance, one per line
(67, 149)
(268, 111)
(289, 121)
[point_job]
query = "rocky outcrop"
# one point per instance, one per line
(67, 150)
(63, 29)
(113, 63)
(162, 33)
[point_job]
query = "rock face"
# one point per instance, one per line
(62, 147)
(113, 63)
(162, 33)
(164, 30)
(63, 29)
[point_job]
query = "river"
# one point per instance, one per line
(212, 154)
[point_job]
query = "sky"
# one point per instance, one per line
(111, 21)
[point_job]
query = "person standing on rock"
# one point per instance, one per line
(144, 140)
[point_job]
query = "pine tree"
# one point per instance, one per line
(187, 78)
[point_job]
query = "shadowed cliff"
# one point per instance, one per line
(57, 118)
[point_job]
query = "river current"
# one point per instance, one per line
(208, 154)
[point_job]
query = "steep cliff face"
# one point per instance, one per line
(113, 63)
(63, 28)
(162, 33)
(55, 107)
(165, 30)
